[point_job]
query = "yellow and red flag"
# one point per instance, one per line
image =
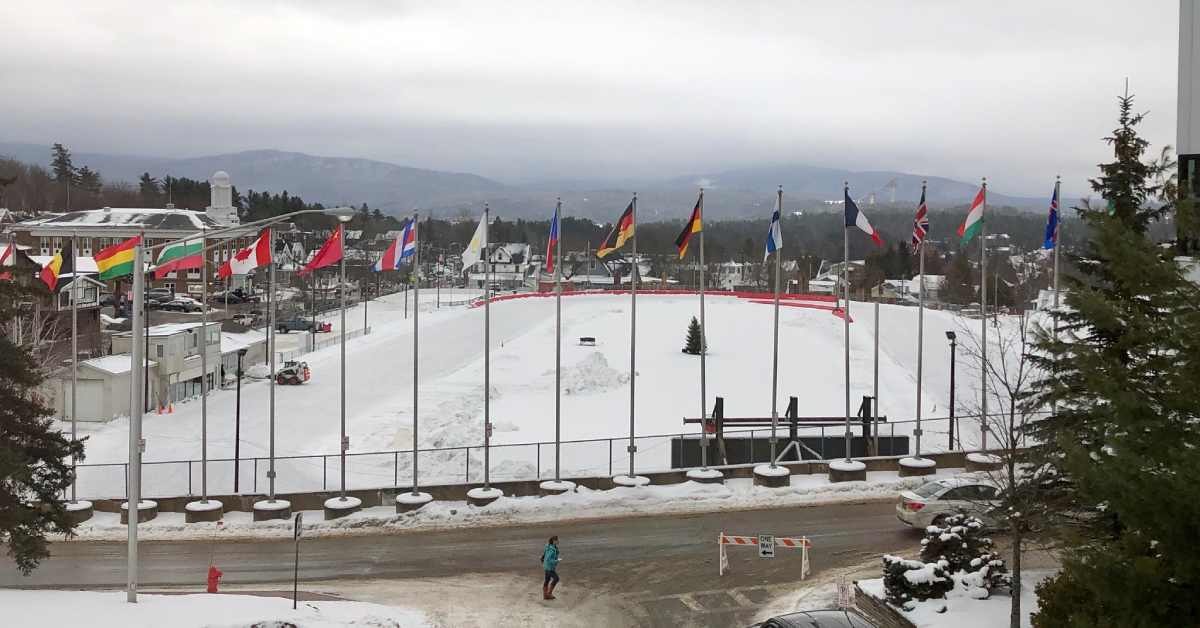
(621, 232)
(694, 225)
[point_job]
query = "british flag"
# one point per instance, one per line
(920, 222)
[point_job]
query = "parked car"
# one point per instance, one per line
(223, 297)
(108, 299)
(159, 292)
(182, 305)
(931, 502)
(293, 324)
(817, 619)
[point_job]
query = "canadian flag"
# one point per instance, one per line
(249, 258)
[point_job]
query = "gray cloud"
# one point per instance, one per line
(529, 90)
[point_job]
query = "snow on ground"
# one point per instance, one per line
(102, 609)
(688, 497)
(595, 400)
(962, 610)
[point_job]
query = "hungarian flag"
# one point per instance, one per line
(180, 256)
(974, 221)
(247, 259)
(621, 232)
(400, 249)
(1051, 239)
(117, 260)
(693, 225)
(920, 222)
(552, 241)
(59, 265)
(330, 253)
(855, 218)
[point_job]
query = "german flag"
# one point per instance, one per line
(61, 264)
(621, 232)
(694, 225)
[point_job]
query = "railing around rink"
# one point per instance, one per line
(464, 464)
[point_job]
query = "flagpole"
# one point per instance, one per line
(416, 337)
(920, 327)
(703, 349)
(271, 350)
(983, 319)
(203, 370)
(345, 443)
(1057, 245)
(775, 338)
(134, 488)
(74, 353)
(487, 356)
(557, 340)
(632, 337)
(846, 313)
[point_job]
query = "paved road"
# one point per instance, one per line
(664, 567)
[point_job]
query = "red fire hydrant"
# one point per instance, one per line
(214, 578)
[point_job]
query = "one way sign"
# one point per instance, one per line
(766, 546)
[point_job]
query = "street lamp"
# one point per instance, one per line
(952, 337)
(345, 442)
(237, 422)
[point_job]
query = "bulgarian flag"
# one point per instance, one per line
(180, 256)
(974, 221)
(117, 260)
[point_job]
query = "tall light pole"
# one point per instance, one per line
(952, 337)
(237, 422)
(345, 504)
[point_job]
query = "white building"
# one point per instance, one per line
(176, 347)
(102, 392)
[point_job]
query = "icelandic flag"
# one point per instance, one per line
(775, 234)
(855, 218)
(552, 242)
(1051, 239)
(401, 248)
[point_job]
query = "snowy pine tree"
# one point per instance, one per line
(961, 544)
(907, 581)
(694, 339)
(1121, 455)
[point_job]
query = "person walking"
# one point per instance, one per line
(549, 565)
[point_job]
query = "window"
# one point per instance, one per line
(962, 493)
(169, 286)
(159, 350)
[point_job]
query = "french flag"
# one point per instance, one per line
(552, 243)
(855, 218)
(401, 248)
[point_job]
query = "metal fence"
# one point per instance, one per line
(309, 347)
(453, 465)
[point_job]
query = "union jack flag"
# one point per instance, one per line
(920, 222)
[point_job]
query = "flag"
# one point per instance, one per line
(180, 256)
(552, 241)
(775, 233)
(694, 225)
(403, 247)
(1051, 239)
(974, 221)
(116, 260)
(329, 254)
(855, 218)
(920, 222)
(621, 232)
(246, 260)
(8, 258)
(59, 265)
(477, 247)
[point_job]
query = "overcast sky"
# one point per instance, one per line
(535, 90)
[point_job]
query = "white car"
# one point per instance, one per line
(931, 502)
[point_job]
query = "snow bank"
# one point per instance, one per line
(583, 503)
(591, 374)
(106, 609)
(961, 606)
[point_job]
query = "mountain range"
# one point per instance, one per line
(399, 189)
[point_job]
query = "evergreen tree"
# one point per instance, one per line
(908, 581)
(149, 190)
(89, 180)
(34, 456)
(1121, 455)
(694, 339)
(60, 164)
(958, 286)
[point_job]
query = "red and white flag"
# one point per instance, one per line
(246, 260)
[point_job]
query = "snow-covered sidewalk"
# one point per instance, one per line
(101, 609)
(688, 497)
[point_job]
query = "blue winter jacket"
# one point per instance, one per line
(550, 557)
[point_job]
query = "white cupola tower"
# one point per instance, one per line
(220, 207)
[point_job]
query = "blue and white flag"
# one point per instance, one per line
(1051, 239)
(775, 234)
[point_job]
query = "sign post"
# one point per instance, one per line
(296, 572)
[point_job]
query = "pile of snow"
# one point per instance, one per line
(960, 607)
(109, 609)
(258, 371)
(591, 374)
(583, 503)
